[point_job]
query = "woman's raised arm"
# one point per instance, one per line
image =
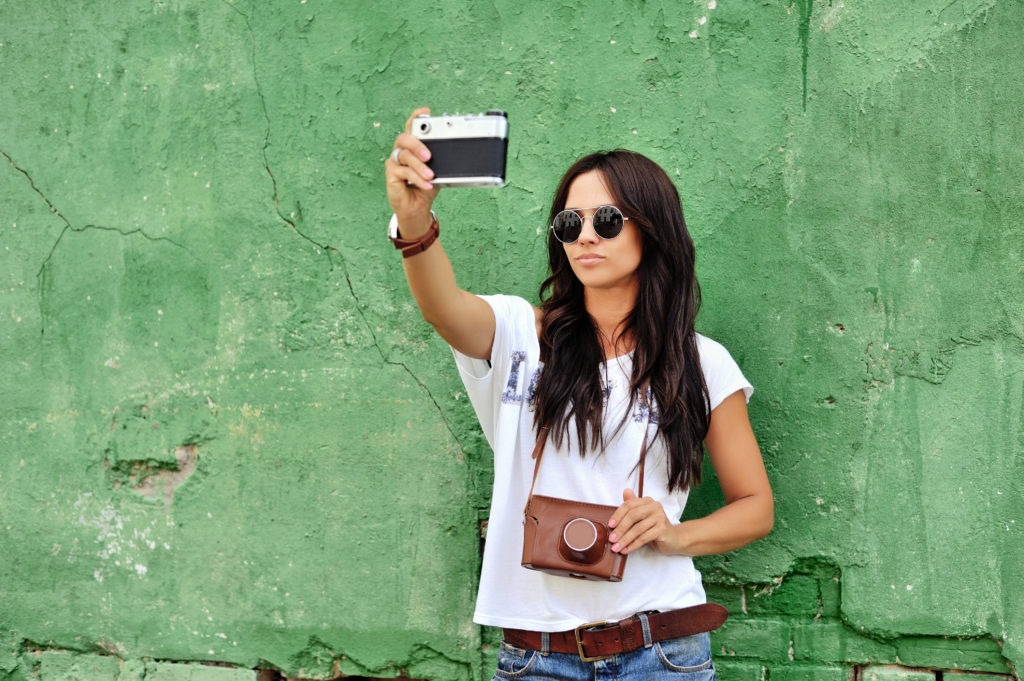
(465, 321)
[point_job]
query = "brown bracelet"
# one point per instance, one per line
(411, 247)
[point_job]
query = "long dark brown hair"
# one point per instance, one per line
(666, 365)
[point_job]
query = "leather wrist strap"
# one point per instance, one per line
(411, 247)
(600, 640)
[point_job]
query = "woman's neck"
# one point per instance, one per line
(610, 308)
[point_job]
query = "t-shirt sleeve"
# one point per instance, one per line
(513, 320)
(721, 372)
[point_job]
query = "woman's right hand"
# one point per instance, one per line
(410, 191)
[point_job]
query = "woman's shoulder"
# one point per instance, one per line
(515, 312)
(721, 372)
(512, 305)
(713, 355)
(709, 346)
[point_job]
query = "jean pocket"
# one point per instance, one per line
(686, 654)
(514, 663)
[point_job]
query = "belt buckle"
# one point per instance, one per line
(579, 641)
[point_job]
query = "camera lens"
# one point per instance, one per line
(424, 126)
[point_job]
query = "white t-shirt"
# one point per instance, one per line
(515, 597)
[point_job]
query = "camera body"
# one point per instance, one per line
(465, 150)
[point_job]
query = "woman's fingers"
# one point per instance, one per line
(408, 175)
(412, 153)
(637, 522)
(418, 112)
(628, 501)
(408, 178)
(630, 538)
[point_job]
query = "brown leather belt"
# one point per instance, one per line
(600, 640)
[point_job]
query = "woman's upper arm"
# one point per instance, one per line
(471, 330)
(734, 453)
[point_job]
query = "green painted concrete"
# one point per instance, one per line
(226, 435)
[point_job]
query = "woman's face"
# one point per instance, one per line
(601, 263)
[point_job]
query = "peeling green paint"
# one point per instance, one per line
(227, 436)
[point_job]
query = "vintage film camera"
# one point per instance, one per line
(465, 150)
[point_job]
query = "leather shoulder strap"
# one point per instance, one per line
(538, 452)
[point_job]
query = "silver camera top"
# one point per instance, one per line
(493, 123)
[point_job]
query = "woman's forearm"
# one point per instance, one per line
(731, 527)
(463, 320)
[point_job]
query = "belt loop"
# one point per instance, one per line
(545, 643)
(647, 629)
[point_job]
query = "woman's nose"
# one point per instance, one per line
(587, 233)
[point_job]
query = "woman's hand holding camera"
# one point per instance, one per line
(410, 191)
(638, 522)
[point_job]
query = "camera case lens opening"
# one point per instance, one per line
(583, 541)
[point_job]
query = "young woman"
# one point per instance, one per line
(608, 364)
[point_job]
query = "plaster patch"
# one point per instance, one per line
(117, 546)
(166, 481)
(831, 16)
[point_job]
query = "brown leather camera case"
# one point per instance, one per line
(546, 518)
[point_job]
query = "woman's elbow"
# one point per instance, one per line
(767, 516)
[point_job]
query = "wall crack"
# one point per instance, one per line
(388, 360)
(328, 250)
(266, 139)
(68, 227)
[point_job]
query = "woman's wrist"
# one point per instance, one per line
(413, 245)
(411, 227)
(680, 541)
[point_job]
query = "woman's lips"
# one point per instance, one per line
(589, 258)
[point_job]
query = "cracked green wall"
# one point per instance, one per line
(191, 221)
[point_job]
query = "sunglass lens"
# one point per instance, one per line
(607, 222)
(567, 226)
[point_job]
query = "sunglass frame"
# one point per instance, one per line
(583, 218)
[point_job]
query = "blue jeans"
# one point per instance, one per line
(679, 659)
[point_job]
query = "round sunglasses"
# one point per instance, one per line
(608, 222)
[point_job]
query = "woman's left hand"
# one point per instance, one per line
(638, 522)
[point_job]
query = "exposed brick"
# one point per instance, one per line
(167, 671)
(65, 666)
(831, 641)
(809, 672)
(975, 654)
(761, 638)
(972, 676)
(729, 596)
(895, 673)
(796, 595)
(729, 669)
